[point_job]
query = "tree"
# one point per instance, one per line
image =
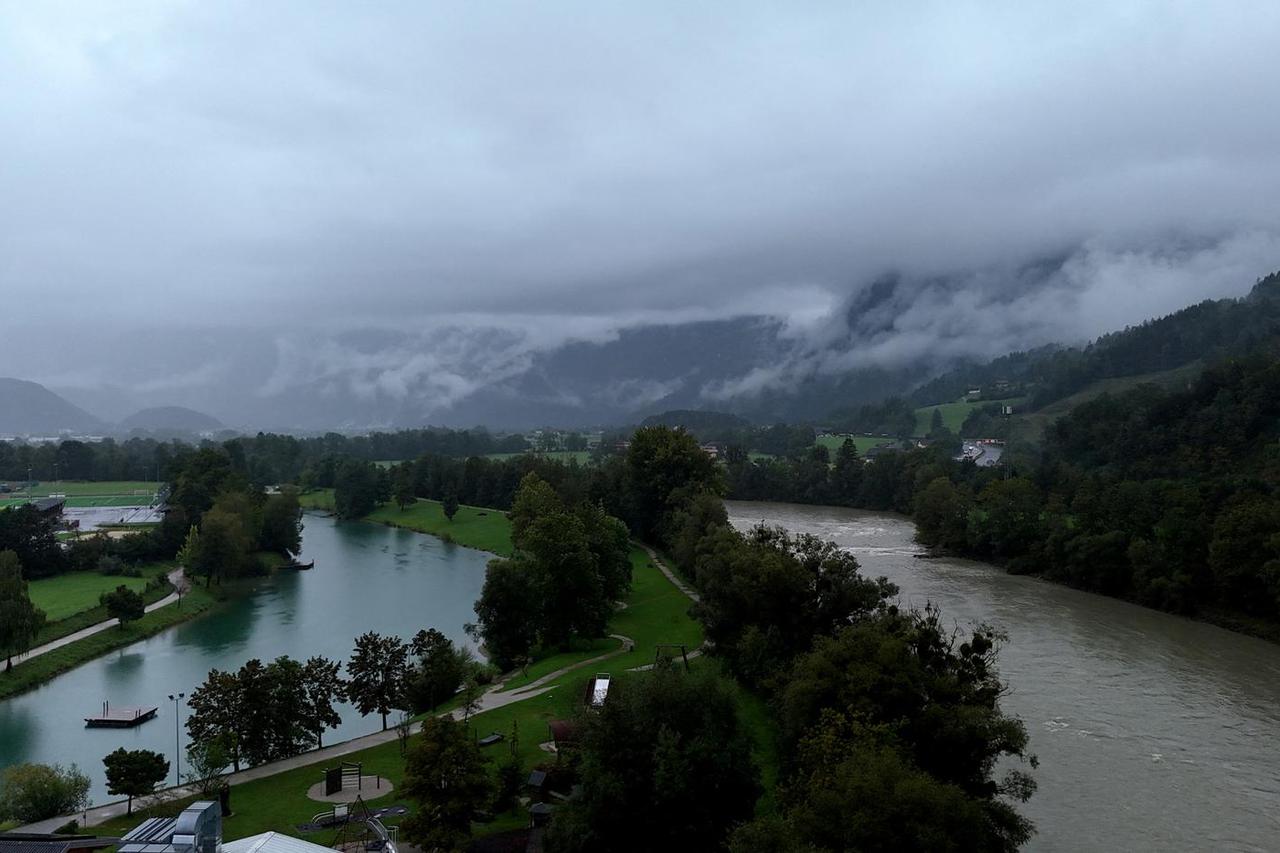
(566, 575)
(450, 505)
(321, 688)
(507, 612)
(942, 515)
(206, 761)
(124, 604)
(665, 764)
(766, 596)
(441, 668)
(609, 542)
(402, 486)
(33, 792)
(282, 523)
(445, 774)
(935, 422)
(533, 500)
(852, 790)
(218, 712)
(134, 772)
(20, 620)
(355, 489)
(376, 674)
(222, 546)
(32, 535)
(665, 467)
(273, 697)
(928, 693)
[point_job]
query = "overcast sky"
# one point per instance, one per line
(311, 165)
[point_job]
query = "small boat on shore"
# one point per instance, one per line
(297, 565)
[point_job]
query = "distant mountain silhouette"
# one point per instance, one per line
(171, 419)
(29, 408)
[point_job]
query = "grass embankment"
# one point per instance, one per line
(473, 527)
(38, 670)
(317, 499)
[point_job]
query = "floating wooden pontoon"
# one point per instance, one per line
(120, 718)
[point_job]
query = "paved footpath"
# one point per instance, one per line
(175, 577)
(671, 576)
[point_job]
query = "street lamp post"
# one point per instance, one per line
(177, 749)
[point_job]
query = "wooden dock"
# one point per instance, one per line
(120, 718)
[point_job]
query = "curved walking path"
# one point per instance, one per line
(174, 578)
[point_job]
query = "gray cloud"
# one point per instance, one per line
(485, 182)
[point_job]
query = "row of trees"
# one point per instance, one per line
(264, 459)
(266, 712)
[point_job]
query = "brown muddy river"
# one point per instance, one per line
(1154, 732)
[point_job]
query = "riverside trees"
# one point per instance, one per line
(266, 712)
(134, 772)
(890, 726)
(571, 565)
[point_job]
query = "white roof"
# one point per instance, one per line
(272, 842)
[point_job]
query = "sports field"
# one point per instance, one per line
(862, 442)
(582, 457)
(86, 494)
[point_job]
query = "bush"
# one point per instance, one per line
(110, 566)
(32, 792)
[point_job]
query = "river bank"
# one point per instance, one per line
(1154, 732)
(33, 669)
(482, 528)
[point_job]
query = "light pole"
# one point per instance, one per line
(177, 750)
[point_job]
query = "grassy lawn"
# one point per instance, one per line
(953, 414)
(582, 457)
(862, 442)
(317, 499)
(474, 527)
(66, 595)
(38, 670)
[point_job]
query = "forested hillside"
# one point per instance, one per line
(1209, 331)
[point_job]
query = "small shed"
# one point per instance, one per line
(563, 733)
